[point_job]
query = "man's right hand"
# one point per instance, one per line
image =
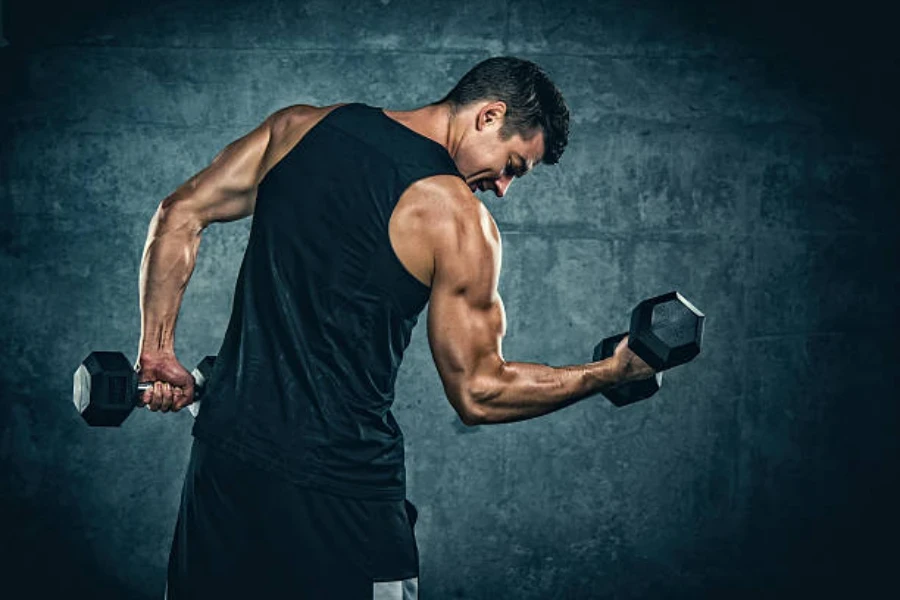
(173, 387)
(629, 365)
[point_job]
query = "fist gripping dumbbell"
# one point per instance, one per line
(666, 331)
(106, 388)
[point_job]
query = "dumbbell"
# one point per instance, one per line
(106, 388)
(666, 331)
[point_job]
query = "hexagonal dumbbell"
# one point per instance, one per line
(666, 331)
(106, 389)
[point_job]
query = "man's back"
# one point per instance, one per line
(324, 309)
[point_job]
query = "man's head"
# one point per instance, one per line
(509, 116)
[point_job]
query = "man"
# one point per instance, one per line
(296, 483)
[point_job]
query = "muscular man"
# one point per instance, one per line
(295, 486)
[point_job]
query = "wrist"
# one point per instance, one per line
(148, 354)
(604, 374)
(156, 340)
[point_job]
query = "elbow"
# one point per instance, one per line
(480, 395)
(175, 213)
(471, 411)
(179, 222)
(472, 416)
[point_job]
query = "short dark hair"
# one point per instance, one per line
(532, 100)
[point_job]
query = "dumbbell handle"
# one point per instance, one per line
(147, 385)
(614, 340)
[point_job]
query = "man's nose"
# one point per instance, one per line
(501, 185)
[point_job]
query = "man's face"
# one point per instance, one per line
(489, 162)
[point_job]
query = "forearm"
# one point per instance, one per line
(168, 261)
(527, 390)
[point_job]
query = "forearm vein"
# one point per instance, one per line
(168, 261)
(527, 390)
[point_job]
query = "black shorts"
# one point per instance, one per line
(245, 533)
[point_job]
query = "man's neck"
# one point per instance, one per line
(434, 122)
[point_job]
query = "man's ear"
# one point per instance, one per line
(491, 115)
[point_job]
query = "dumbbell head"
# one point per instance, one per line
(666, 331)
(104, 388)
(625, 393)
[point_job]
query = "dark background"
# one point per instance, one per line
(742, 153)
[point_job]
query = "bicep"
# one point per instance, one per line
(466, 317)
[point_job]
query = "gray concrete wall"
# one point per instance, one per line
(744, 157)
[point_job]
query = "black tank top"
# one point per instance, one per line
(323, 311)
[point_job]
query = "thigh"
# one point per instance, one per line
(244, 532)
(209, 552)
(307, 553)
(330, 547)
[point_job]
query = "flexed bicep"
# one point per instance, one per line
(466, 317)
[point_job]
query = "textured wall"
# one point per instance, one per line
(746, 158)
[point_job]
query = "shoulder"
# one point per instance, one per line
(296, 115)
(296, 119)
(453, 223)
(449, 195)
(287, 126)
(448, 207)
